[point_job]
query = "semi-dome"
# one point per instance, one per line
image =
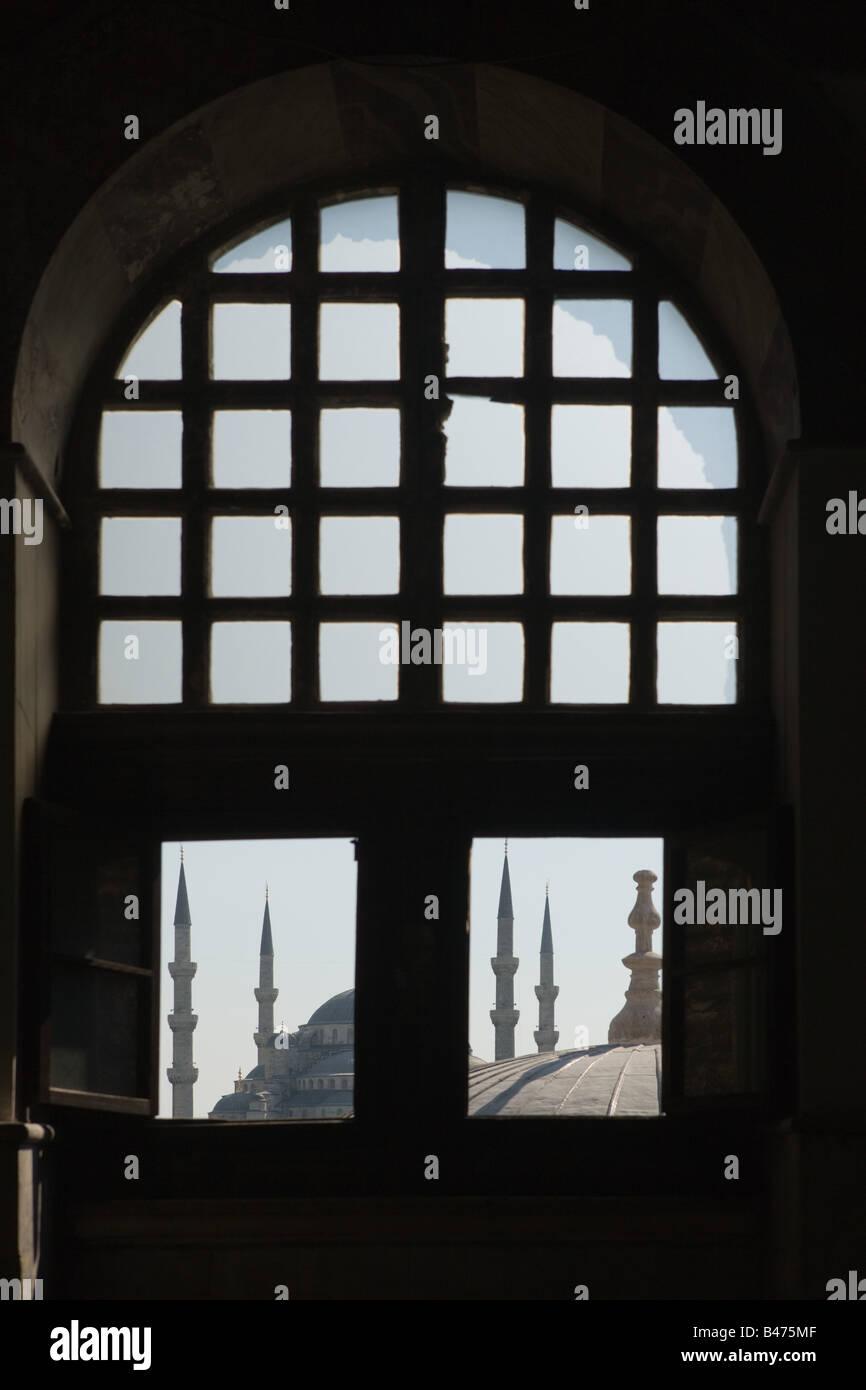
(340, 1009)
(337, 1064)
(238, 1101)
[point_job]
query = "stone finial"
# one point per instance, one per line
(640, 1020)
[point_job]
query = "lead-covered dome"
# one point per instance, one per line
(339, 1009)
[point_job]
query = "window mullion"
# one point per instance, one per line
(537, 372)
(644, 497)
(305, 455)
(195, 360)
(422, 354)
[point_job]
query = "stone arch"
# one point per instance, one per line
(334, 121)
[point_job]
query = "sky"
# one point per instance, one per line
(252, 555)
(312, 888)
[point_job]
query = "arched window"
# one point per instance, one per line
(425, 473)
(352, 457)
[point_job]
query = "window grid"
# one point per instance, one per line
(421, 501)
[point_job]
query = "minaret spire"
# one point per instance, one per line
(504, 964)
(266, 994)
(640, 1019)
(182, 1021)
(546, 1036)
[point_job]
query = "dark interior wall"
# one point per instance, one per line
(73, 74)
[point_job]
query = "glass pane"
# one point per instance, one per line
(88, 902)
(140, 555)
(99, 1021)
(252, 448)
(697, 554)
(697, 663)
(484, 337)
(359, 661)
(360, 235)
(681, 356)
(590, 663)
(252, 342)
(359, 342)
(697, 446)
(140, 448)
(359, 448)
(485, 233)
(359, 555)
(724, 1028)
(591, 559)
(140, 662)
(484, 443)
(251, 556)
(575, 249)
(483, 554)
(592, 337)
(718, 930)
(266, 252)
(155, 353)
(251, 663)
(482, 662)
(591, 445)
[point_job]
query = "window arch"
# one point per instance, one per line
(362, 454)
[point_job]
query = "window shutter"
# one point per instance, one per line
(91, 965)
(723, 999)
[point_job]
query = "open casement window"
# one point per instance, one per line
(724, 1030)
(91, 896)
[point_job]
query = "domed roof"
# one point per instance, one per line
(336, 1065)
(238, 1100)
(340, 1009)
(603, 1080)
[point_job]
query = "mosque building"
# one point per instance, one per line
(310, 1074)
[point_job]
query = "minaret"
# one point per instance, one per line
(266, 994)
(504, 1017)
(182, 1021)
(546, 1036)
(640, 1020)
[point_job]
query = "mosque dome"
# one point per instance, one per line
(339, 1009)
(236, 1103)
(337, 1063)
(612, 1080)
